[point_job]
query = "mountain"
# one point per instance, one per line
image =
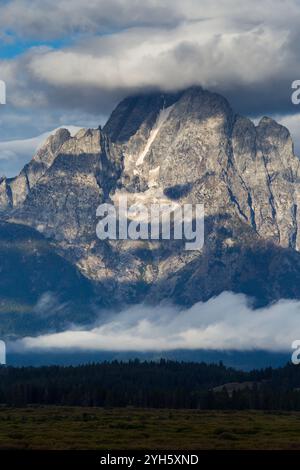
(16, 153)
(38, 288)
(185, 147)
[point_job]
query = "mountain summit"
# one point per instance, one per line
(188, 147)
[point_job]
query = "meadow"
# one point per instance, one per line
(70, 428)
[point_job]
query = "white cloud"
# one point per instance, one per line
(190, 54)
(216, 44)
(225, 322)
(104, 50)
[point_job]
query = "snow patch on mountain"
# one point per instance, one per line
(162, 117)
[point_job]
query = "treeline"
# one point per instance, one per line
(163, 384)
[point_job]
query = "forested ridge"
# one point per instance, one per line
(162, 384)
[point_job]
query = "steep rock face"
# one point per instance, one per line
(200, 151)
(187, 147)
(137, 114)
(196, 149)
(5, 194)
(14, 191)
(268, 170)
(63, 202)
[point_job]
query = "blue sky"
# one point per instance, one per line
(13, 46)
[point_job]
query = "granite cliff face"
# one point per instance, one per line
(187, 147)
(219, 158)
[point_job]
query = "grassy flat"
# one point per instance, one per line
(96, 428)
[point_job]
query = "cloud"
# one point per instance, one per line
(27, 18)
(231, 47)
(166, 59)
(52, 19)
(87, 56)
(226, 322)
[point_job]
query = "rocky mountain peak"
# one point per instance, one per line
(135, 112)
(188, 147)
(55, 141)
(62, 203)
